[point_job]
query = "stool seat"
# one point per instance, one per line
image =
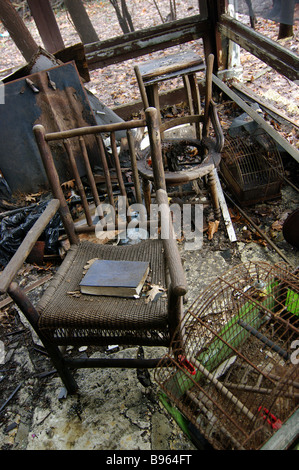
(173, 178)
(171, 66)
(185, 64)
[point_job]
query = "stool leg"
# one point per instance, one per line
(152, 92)
(214, 195)
(195, 94)
(193, 98)
(188, 92)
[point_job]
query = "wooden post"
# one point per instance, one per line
(46, 24)
(17, 30)
(287, 20)
(213, 43)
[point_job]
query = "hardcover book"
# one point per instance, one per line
(115, 278)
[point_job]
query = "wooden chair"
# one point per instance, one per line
(61, 318)
(209, 148)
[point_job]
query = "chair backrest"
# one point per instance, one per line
(93, 159)
(178, 281)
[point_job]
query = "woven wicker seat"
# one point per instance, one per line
(106, 319)
(65, 316)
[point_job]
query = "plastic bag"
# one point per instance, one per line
(14, 228)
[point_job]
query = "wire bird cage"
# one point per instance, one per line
(235, 378)
(252, 167)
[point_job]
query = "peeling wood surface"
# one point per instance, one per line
(143, 42)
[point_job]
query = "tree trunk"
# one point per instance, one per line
(81, 21)
(283, 12)
(124, 17)
(17, 30)
(285, 31)
(127, 15)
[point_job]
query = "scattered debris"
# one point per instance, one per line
(43, 425)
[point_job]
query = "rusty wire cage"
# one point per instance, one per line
(235, 376)
(251, 166)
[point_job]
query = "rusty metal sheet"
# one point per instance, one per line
(54, 98)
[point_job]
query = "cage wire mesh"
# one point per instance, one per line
(252, 167)
(235, 374)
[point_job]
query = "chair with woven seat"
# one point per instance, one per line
(62, 318)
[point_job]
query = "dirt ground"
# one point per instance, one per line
(113, 410)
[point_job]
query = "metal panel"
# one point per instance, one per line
(59, 102)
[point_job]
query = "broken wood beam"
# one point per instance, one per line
(17, 29)
(252, 97)
(257, 118)
(32, 286)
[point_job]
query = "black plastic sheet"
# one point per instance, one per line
(14, 228)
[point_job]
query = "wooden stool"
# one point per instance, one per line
(211, 147)
(184, 65)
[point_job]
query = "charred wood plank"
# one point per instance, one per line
(29, 288)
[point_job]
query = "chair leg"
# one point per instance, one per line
(175, 310)
(59, 364)
(214, 195)
(32, 316)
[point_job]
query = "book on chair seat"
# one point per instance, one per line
(115, 278)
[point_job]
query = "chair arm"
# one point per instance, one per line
(173, 258)
(26, 246)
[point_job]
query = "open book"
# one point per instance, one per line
(115, 278)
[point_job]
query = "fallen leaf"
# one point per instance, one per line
(68, 184)
(32, 197)
(212, 229)
(276, 225)
(88, 264)
(154, 293)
